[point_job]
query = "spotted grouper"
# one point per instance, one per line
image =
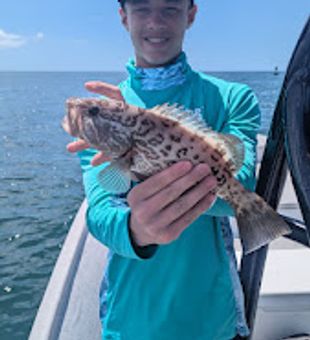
(142, 142)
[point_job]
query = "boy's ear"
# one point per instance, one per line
(191, 15)
(124, 17)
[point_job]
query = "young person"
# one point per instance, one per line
(171, 272)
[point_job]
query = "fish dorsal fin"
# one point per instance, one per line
(190, 118)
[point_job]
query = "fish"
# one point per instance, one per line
(142, 142)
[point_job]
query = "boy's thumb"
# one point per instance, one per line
(108, 90)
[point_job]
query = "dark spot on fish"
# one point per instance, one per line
(145, 127)
(168, 147)
(93, 111)
(165, 124)
(219, 152)
(160, 137)
(113, 118)
(192, 139)
(195, 157)
(227, 172)
(151, 153)
(176, 139)
(221, 179)
(157, 140)
(164, 152)
(182, 152)
(215, 170)
(141, 142)
(129, 121)
(214, 157)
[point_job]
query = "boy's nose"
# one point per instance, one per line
(156, 21)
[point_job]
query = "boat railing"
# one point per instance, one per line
(287, 148)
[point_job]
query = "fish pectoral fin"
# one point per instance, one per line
(259, 224)
(115, 179)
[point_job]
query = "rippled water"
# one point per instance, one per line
(40, 183)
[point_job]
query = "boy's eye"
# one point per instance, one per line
(142, 10)
(166, 11)
(170, 11)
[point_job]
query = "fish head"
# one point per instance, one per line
(99, 123)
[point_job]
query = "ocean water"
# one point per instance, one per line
(40, 182)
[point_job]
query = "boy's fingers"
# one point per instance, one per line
(105, 89)
(179, 225)
(178, 194)
(158, 182)
(99, 158)
(82, 145)
(77, 145)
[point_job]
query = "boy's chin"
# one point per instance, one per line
(156, 61)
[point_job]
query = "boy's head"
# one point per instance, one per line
(157, 28)
(122, 2)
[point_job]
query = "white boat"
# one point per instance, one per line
(70, 306)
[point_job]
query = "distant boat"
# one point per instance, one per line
(276, 71)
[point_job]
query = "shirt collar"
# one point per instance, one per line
(159, 78)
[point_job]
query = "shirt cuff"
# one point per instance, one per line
(144, 252)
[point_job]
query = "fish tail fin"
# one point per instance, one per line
(259, 224)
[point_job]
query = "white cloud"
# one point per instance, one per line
(11, 40)
(39, 36)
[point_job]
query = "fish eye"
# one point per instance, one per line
(93, 111)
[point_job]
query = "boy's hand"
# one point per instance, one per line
(168, 202)
(110, 91)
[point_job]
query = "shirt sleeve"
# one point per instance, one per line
(242, 120)
(108, 215)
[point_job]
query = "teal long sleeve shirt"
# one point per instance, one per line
(182, 290)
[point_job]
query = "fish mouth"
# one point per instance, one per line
(70, 121)
(66, 125)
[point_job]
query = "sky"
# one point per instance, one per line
(86, 35)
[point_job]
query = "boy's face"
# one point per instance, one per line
(157, 28)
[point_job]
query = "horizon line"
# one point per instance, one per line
(124, 71)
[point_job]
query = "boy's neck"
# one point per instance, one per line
(168, 63)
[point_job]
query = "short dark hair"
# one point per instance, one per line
(122, 3)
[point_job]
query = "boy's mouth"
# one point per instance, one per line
(156, 41)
